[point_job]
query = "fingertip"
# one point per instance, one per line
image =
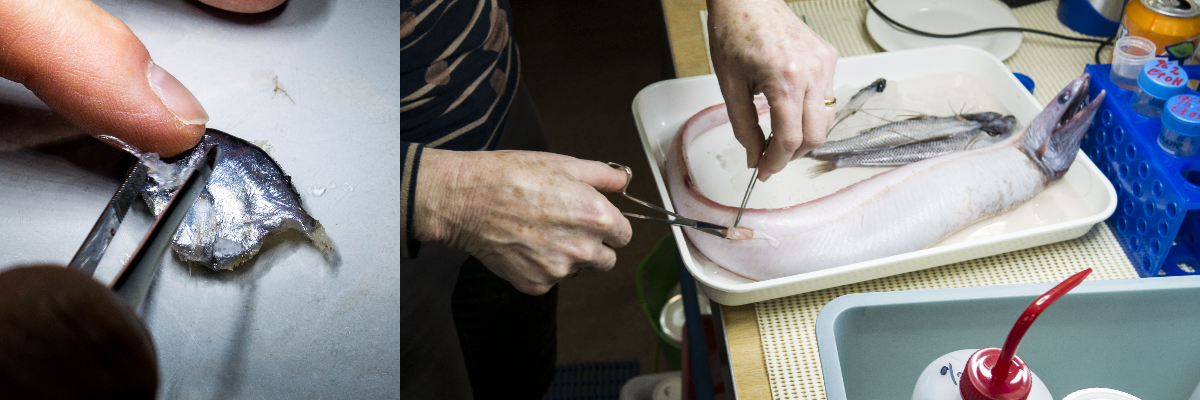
(601, 176)
(752, 157)
(89, 67)
(605, 260)
(534, 289)
(624, 233)
(244, 6)
(763, 175)
(183, 139)
(177, 98)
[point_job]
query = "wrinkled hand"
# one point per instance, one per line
(91, 69)
(532, 218)
(760, 46)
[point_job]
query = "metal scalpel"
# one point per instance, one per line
(753, 178)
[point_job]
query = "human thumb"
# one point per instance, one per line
(90, 68)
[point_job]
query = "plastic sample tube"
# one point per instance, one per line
(1158, 81)
(1181, 125)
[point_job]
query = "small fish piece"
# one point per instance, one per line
(913, 152)
(856, 102)
(248, 198)
(911, 130)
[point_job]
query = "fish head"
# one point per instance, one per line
(992, 122)
(1052, 139)
(878, 85)
(982, 117)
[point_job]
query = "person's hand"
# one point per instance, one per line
(760, 46)
(63, 335)
(91, 69)
(532, 218)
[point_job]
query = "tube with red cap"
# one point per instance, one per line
(992, 373)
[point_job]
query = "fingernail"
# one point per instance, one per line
(751, 159)
(175, 96)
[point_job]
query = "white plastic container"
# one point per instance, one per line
(1081, 199)
(1130, 53)
(993, 373)
(1100, 394)
(939, 380)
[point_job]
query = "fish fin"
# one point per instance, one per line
(970, 143)
(819, 169)
(912, 116)
(961, 110)
(865, 112)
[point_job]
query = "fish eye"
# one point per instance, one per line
(1064, 97)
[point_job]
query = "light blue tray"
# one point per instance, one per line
(1140, 336)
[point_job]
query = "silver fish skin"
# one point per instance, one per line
(905, 209)
(856, 102)
(908, 131)
(248, 198)
(913, 152)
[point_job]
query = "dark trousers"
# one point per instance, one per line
(506, 340)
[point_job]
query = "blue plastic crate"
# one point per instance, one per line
(1157, 220)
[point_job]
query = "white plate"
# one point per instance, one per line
(945, 17)
(1065, 210)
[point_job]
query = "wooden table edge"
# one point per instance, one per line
(746, 358)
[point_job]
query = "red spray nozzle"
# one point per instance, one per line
(995, 374)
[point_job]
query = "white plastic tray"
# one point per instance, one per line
(1065, 210)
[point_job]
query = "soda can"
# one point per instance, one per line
(1173, 26)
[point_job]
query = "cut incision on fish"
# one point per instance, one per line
(906, 209)
(248, 198)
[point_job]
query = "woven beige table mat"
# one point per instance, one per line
(788, 325)
(1051, 62)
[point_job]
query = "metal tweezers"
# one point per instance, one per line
(675, 219)
(133, 282)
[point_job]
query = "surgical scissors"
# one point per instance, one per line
(676, 219)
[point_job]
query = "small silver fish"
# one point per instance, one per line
(912, 152)
(856, 102)
(912, 130)
(248, 198)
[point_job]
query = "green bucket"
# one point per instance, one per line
(655, 277)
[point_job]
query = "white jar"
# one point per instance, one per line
(939, 380)
(1100, 394)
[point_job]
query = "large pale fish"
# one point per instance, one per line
(902, 210)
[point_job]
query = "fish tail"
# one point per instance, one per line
(823, 167)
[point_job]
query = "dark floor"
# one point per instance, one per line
(583, 62)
